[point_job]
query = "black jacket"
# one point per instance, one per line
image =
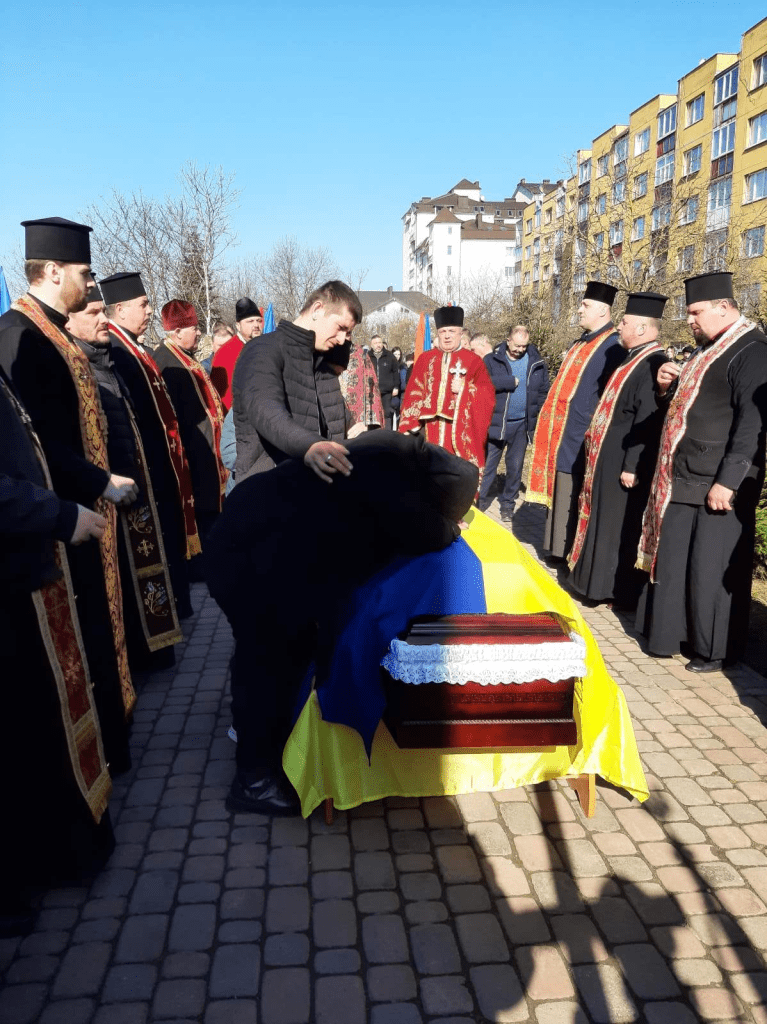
(284, 401)
(31, 516)
(503, 381)
(387, 371)
(724, 437)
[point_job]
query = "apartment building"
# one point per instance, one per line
(457, 237)
(678, 189)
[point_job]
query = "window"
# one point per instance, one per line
(601, 203)
(757, 129)
(450, 250)
(760, 71)
(449, 271)
(498, 213)
(640, 185)
(527, 277)
(579, 281)
(689, 210)
(547, 243)
(528, 252)
(721, 166)
(561, 206)
(529, 226)
(536, 274)
(559, 237)
(692, 160)
(612, 273)
(599, 241)
(695, 109)
(619, 192)
(546, 272)
(584, 172)
(719, 196)
(641, 142)
(603, 165)
(616, 233)
(538, 218)
(537, 247)
(580, 248)
(726, 85)
(509, 250)
(753, 242)
(685, 259)
(636, 268)
(517, 279)
(661, 216)
(508, 271)
(637, 232)
(756, 186)
(621, 150)
(450, 229)
(547, 217)
(715, 250)
(725, 111)
(723, 140)
(666, 122)
(583, 211)
(664, 168)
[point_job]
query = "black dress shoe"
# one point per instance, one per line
(507, 515)
(269, 795)
(698, 664)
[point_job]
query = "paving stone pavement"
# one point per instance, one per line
(487, 907)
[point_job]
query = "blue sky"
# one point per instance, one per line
(334, 119)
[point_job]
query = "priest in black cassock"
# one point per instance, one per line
(621, 448)
(557, 461)
(52, 378)
(56, 827)
(129, 312)
(698, 530)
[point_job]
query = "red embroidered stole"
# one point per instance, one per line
(149, 566)
(210, 402)
(92, 430)
(552, 420)
(674, 427)
(359, 387)
(54, 606)
(167, 415)
(595, 435)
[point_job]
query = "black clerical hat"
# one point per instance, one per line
(600, 292)
(708, 287)
(54, 238)
(448, 316)
(94, 295)
(244, 308)
(122, 287)
(646, 304)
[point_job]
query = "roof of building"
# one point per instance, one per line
(416, 302)
(465, 183)
(446, 217)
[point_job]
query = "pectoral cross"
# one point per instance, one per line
(458, 370)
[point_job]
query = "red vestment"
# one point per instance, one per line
(457, 422)
(222, 369)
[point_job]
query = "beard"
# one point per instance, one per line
(73, 296)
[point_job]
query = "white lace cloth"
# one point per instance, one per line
(487, 664)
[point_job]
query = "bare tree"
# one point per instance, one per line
(291, 272)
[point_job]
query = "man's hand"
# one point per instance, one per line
(89, 524)
(395, 392)
(720, 498)
(457, 384)
(667, 374)
(356, 430)
(628, 480)
(326, 458)
(120, 490)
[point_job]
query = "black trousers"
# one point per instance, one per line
(515, 445)
(703, 581)
(562, 518)
(387, 409)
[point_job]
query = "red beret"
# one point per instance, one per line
(177, 314)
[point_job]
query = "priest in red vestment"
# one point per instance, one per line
(249, 325)
(450, 395)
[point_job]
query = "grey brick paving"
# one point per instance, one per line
(507, 906)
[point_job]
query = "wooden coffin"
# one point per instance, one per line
(490, 710)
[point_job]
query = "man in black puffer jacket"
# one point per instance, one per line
(285, 405)
(521, 381)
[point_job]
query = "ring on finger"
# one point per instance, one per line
(329, 458)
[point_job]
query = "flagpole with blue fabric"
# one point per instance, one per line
(427, 334)
(5, 298)
(269, 319)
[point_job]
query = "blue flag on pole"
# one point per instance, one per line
(269, 319)
(5, 299)
(427, 334)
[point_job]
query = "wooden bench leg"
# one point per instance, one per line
(329, 810)
(586, 790)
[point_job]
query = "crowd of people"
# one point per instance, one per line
(133, 471)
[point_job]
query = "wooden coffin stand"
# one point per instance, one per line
(469, 715)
